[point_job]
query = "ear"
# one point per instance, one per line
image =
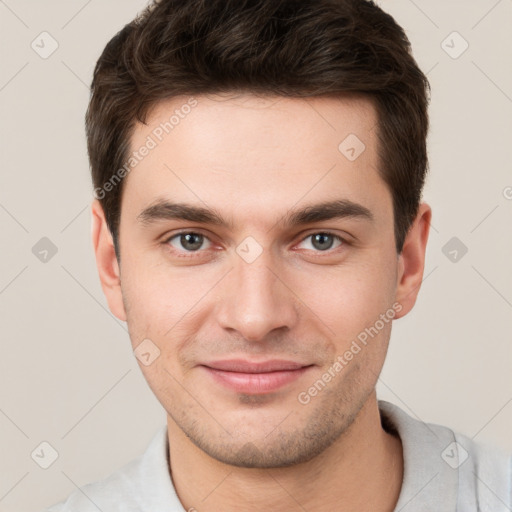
(106, 261)
(411, 261)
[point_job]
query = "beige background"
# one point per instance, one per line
(68, 376)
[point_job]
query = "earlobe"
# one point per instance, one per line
(106, 261)
(411, 262)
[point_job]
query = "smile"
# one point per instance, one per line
(255, 378)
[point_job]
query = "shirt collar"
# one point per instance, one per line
(429, 482)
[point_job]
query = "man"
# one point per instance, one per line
(258, 169)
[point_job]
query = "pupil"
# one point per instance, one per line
(320, 238)
(188, 242)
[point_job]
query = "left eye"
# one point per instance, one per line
(323, 241)
(189, 241)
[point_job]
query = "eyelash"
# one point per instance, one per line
(192, 254)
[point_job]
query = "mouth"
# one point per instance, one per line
(255, 377)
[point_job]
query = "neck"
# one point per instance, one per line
(362, 470)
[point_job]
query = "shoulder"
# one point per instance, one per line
(112, 493)
(485, 474)
(142, 484)
(448, 469)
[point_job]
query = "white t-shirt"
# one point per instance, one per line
(443, 472)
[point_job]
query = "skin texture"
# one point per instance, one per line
(253, 160)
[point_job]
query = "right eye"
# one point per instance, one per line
(187, 241)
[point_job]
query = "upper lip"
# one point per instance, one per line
(243, 366)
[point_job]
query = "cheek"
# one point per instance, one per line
(145, 295)
(347, 298)
(161, 300)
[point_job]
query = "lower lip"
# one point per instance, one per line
(256, 383)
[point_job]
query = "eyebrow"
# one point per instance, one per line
(163, 210)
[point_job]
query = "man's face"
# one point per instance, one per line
(259, 287)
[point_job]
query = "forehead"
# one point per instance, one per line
(246, 153)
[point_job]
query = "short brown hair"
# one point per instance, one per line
(291, 48)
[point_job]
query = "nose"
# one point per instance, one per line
(256, 301)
